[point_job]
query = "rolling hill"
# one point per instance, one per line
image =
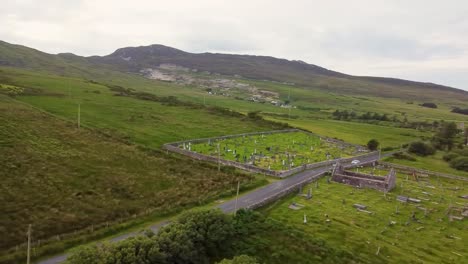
(299, 73)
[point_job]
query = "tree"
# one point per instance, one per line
(421, 148)
(445, 136)
(373, 144)
(242, 259)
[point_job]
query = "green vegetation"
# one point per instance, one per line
(433, 163)
(278, 151)
(460, 163)
(405, 233)
(421, 148)
(460, 111)
(429, 105)
(373, 144)
(208, 236)
(195, 237)
(61, 179)
(361, 133)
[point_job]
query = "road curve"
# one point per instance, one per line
(278, 189)
(251, 200)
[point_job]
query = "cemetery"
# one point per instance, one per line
(421, 220)
(273, 151)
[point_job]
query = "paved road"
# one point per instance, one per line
(251, 200)
(277, 189)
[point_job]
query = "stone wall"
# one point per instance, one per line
(385, 183)
(174, 147)
(412, 169)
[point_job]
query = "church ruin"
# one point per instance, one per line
(381, 183)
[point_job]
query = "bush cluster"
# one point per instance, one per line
(420, 148)
(195, 237)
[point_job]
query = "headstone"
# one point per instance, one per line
(401, 198)
(414, 200)
(360, 206)
(305, 219)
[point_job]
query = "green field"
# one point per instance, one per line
(279, 151)
(428, 237)
(432, 163)
(62, 179)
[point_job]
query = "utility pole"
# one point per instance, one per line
(219, 159)
(79, 115)
(28, 259)
(237, 197)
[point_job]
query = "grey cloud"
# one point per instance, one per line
(358, 37)
(385, 45)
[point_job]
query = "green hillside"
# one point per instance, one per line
(69, 179)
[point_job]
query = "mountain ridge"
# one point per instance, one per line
(134, 59)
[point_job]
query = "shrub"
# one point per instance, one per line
(254, 115)
(373, 144)
(450, 156)
(460, 111)
(429, 105)
(421, 148)
(460, 163)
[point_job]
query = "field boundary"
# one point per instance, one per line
(174, 147)
(413, 169)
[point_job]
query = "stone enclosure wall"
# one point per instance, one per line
(421, 171)
(385, 183)
(174, 147)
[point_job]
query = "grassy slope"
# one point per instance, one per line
(84, 177)
(145, 122)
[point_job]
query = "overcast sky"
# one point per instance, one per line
(412, 39)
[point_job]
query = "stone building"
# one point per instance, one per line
(382, 183)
